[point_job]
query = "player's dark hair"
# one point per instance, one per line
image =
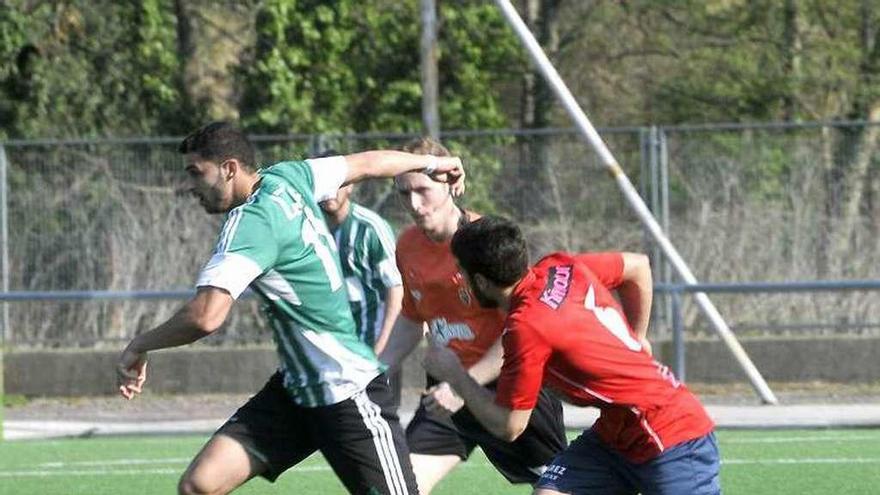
(219, 141)
(426, 146)
(494, 247)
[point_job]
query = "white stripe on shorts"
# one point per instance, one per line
(384, 442)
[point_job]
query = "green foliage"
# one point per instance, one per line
(13, 36)
(483, 169)
(91, 68)
(737, 60)
(478, 53)
(299, 67)
(342, 65)
(14, 400)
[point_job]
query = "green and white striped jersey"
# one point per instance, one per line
(366, 250)
(277, 242)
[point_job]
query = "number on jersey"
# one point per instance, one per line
(612, 320)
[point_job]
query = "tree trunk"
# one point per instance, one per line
(210, 39)
(792, 59)
(848, 179)
(541, 198)
(186, 52)
(430, 85)
(855, 182)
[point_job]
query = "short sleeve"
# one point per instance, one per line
(328, 174)
(525, 355)
(608, 267)
(381, 253)
(246, 248)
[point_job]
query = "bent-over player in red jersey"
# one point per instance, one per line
(566, 330)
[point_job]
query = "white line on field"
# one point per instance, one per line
(115, 462)
(325, 468)
(811, 438)
(132, 472)
(820, 460)
(91, 472)
(120, 472)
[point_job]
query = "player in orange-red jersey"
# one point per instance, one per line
(566, 330)
(442, 433)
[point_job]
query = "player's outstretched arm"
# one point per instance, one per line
(488, 367)
(404, 336)
(636, 292)
(389, 163)
(442, 399)
(198, 318)
(506, 424)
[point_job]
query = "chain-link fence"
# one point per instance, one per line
(778, 203)
(741, 204)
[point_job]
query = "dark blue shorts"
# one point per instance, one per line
(588, 466)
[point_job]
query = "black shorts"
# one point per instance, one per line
(362, 441)
(520, 461)
(395, 382)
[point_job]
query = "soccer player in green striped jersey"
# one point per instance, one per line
(375, 290)
(366, 251)
(330, 388)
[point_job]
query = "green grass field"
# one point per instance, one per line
(754, 463)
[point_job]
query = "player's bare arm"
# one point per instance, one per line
(487, 369)
(405, 335)
(198, 318)
(504, 423)
(389, 163)
(393, 303)
(636, 293)
(442, 398)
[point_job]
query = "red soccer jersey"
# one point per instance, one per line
(566, 330)
(436, 292)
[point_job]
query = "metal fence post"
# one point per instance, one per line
(654, 183)
(4, 245)
(4, 274)
(661, 312)
(646, 184)
(663, 267)
(678, 336)
(644, 164)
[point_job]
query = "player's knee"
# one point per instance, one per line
(193, 484)
(187, 486)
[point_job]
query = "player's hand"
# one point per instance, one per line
(646, 346)
(450, 170)
(441, 399)
(131, 373)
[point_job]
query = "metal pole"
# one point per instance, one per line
(678, 336)
(430, 86)
(631, 195)
(663, 310)
(4, 246)
(657, 259)
(643, 162)
(4, 274)
(664, 267)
